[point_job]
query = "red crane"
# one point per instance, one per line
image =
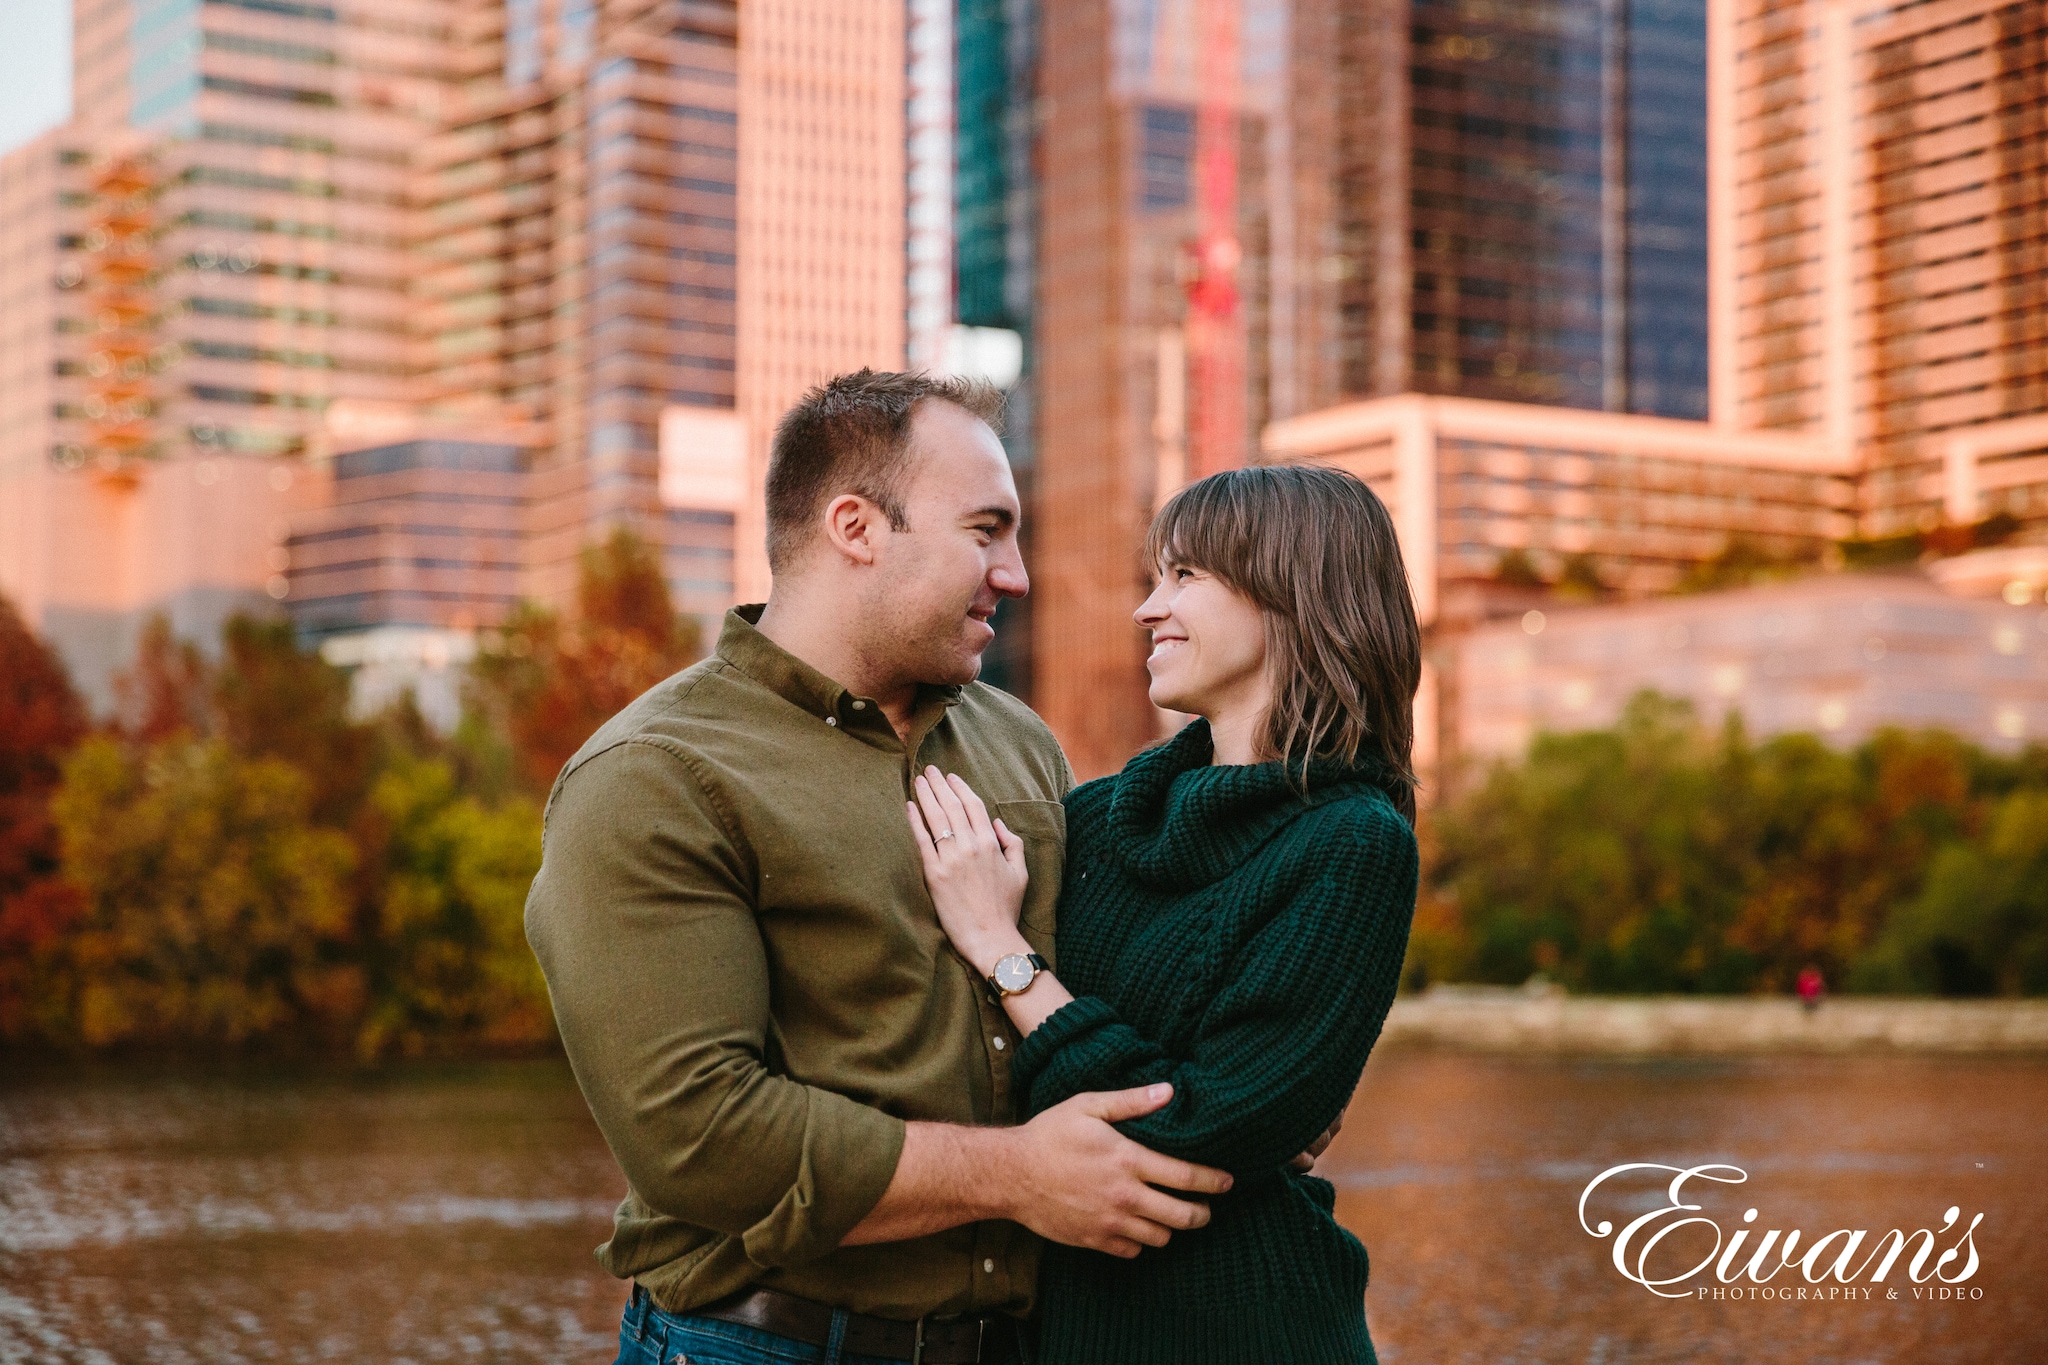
(1215, 323)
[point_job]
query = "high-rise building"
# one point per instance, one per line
(1517, 202)
(226, 272)
(578, 261)
(994, 255)
(278, 232)
(28, 339)
(1880, 179)
(822, 218)
(245, 217)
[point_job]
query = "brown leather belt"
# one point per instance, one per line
(954, 1341)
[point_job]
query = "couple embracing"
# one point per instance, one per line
(913, 1050)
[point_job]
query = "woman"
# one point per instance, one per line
(1233, 917)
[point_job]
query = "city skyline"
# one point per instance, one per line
(1601, 289)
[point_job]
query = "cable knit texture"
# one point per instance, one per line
(1222, 932)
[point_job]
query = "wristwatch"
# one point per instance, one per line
(1014, 973)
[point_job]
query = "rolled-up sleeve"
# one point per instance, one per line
(642, 917)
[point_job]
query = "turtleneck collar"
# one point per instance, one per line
(1182, 822)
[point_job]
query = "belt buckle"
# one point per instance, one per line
(980, 1340)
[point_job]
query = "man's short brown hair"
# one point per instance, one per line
(851, 434)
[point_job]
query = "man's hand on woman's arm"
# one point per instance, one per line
(1067, 1175)
(1307, 1160)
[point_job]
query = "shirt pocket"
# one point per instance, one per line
(1042, 825)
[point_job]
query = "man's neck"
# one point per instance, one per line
(814, 630)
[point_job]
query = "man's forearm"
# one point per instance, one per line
(948, 1175)
(1068, 1175)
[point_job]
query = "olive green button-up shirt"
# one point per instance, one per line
(752, 985)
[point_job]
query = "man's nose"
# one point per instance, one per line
(1007, 576)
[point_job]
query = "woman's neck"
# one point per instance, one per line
(1234, 725)
(1231, 737)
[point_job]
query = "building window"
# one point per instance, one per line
(1166, 155)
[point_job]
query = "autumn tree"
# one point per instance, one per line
(1654, 856)
(1607, 859)
(273, 699)
(1980, 924)
(447, 955)
(167, 689)
(215, 911)
(41, 718)
(546, 684)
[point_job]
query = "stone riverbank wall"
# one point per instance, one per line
(1515, 1019)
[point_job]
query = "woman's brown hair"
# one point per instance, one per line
(1315, 549)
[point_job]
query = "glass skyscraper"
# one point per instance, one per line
(1555, 214)
(1664, 176)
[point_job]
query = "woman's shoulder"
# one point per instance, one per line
(1354, 819)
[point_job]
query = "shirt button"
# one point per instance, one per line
(860, 706)
(831, 720)
(999, 1043)
(988, 1267)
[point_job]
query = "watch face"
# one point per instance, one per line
(1014, 973)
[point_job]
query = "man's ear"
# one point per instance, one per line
(852, 524)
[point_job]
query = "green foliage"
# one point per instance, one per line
(1516, 570)
(1578, 578)
(1602, 860)
(450, 962)
(1742, 562)
(273, 699)
(1656, 857)
(215, 912)
(1948, 538)
(1880, 551)
(1980, 924)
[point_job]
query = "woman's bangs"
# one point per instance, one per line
(1201, 527)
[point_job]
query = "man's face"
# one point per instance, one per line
(937, 583)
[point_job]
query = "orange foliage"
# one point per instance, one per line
(41, 718)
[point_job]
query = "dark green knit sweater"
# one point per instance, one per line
(1220, 932)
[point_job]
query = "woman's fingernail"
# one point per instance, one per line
(1158, 1092)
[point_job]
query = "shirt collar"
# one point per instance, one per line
(741, 644)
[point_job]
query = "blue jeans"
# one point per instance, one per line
(649, 1336)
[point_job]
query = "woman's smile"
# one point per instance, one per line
(1163, 646)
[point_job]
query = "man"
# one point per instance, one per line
(807, 1088)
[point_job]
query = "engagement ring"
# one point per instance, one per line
(944, 835)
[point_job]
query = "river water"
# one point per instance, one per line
(448, 1214)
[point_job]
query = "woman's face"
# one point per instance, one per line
(1208, 644)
